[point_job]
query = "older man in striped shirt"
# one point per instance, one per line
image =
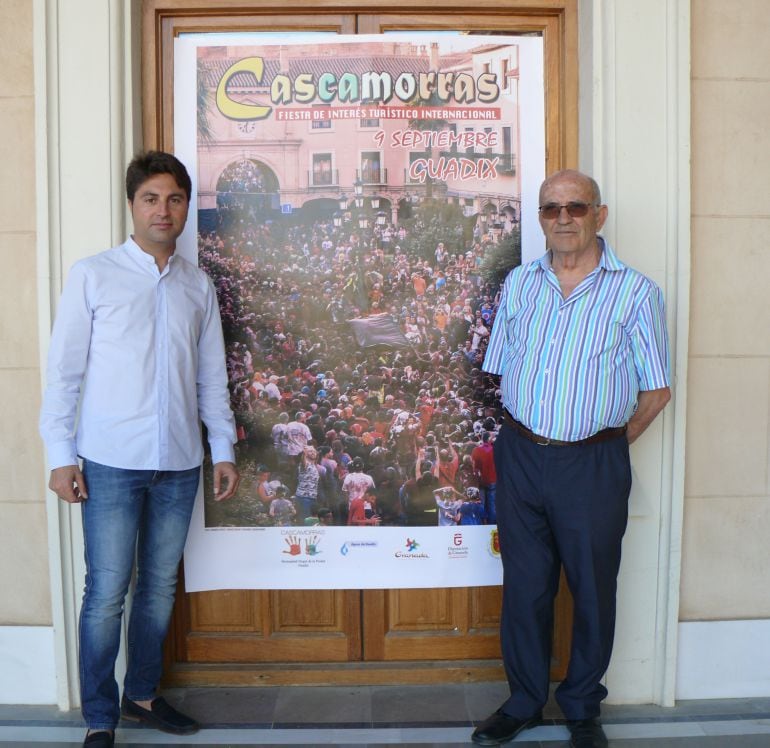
(580, 343)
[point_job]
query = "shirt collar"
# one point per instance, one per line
(135, 251)
(145, 258)
(608, 260)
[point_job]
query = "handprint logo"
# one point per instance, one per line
(294, 546)
(311, 546)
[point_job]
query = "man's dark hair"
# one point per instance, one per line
(148, 164)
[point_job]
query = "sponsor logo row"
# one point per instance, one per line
(306, 544)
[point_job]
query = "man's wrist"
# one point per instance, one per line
(222, 451)
(61, 455)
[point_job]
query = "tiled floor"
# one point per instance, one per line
(373, 716)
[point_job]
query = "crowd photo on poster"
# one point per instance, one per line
(394, 433)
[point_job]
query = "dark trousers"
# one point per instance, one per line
(559, 505)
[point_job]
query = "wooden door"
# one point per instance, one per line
(290, 637)
(243, 637)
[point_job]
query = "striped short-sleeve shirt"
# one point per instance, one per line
(572, 367)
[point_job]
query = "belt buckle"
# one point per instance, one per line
(543, 443)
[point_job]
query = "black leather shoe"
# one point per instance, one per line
(587, 733)
(99, 739)
(499, 728)
(161, 715)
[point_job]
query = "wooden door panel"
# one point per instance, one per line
(485, 605)
(430, 624)
(236, 648)
(295, 611)
(224, 610)
(423, 609)
(241, 626)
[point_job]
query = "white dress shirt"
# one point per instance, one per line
(143, 354)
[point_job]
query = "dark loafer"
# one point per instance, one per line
(587, 733)
(499, 728)
(100, 739)
(161, 715)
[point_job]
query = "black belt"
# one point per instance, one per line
(600, 436)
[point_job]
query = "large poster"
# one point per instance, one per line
(359, 201)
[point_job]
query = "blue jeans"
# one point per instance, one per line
(304, 506)
(488, 494)
(128, 512)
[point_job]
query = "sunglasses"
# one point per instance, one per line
(574, 210)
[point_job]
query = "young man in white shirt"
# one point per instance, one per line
(137, 344)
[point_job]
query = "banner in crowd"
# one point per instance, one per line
(358, 202)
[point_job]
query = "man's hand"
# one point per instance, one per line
(226, 480)
(68, 484)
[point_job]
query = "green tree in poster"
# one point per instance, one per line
(501, 258)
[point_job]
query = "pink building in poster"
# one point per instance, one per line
(307, 156)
